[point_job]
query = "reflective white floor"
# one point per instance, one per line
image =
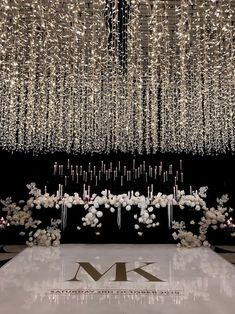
(111, 278)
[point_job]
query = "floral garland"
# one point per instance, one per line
(21, 214)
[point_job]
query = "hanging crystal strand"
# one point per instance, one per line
(206, 81)
(135, 75)
(31, 69)
(78, 35)
(157, 54)
(152, 72)
(227, 66)
(183, 34)
(13, 91)
(231, 77)
(196, 112)
(64, 215)
(5, 46)
(166, 126)
(215, 75)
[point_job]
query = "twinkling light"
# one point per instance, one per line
(138, 76)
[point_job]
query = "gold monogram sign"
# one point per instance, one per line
(121, 272)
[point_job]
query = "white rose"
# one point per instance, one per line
(112, 209)
(89, 216)
(99, 214)
(146, 215)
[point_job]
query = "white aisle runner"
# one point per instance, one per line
(125, 278)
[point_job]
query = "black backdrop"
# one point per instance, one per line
(18, 169)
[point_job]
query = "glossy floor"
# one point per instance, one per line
(117, 279)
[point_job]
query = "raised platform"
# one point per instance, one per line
(117, 279)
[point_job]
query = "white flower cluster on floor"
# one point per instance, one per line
(45, 237)
(211, 218)
(145, 214)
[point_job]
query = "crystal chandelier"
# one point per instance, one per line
(137, 76)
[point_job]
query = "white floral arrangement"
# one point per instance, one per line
(214, 218)
(21, 214)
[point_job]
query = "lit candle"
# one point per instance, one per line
(111, 166)
(96, 180)
(175, 180)
(99, 175)
(61, 190)
(106, 175)
(181, 164)
(124, 170)
(77, 176)
(76, 169)
(72, 175)
(160, 170)
(121, 180)
(170, 170)
(190, 190)
(55, 168)
(181, 177)
(88, 191)
(45, 189)
(102, 165)
(152, 189)
(91, 175)
(144, 165)
(177, 175)
(119, 166)
(176, 192)
(68, 164)
(133, 164)
(80, 170)
(89, 167)
(148, 192)
(166, 176)
(84, 191)
(155, 172)
(146, 177)
(94, 170)
(62, 169)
